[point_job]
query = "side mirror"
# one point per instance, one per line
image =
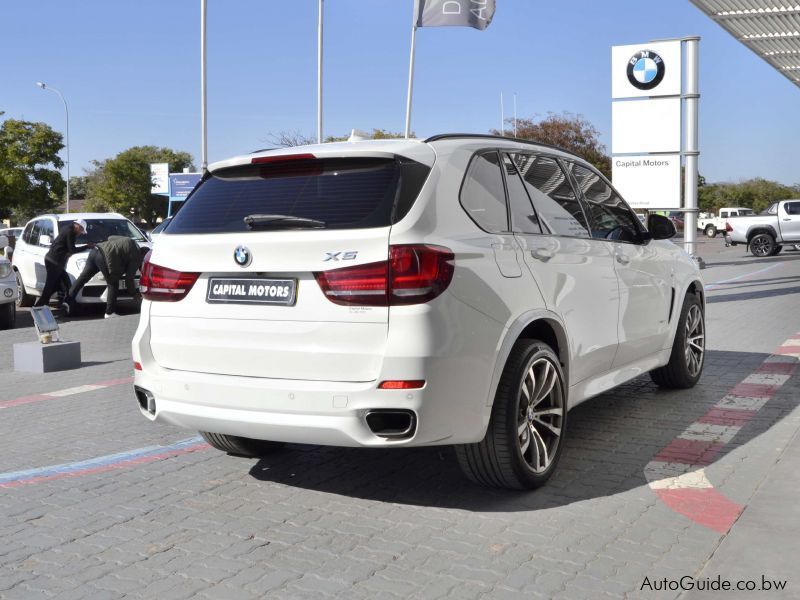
(45, 240)
(661, 227)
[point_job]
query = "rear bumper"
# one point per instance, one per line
(450, 409)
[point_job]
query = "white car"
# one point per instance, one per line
(39, 234)
(464, 290)
(8, 290)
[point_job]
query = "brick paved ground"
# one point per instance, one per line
(314, 522)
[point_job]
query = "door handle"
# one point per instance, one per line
(542, 254)
(787, 219)
(623, 259)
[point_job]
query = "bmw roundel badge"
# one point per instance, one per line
(645, 70)
(242, 256)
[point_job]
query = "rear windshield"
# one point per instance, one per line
(344, 193)
(99, 230)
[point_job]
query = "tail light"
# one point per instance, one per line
(163, 284)
(414, 274)
(728, 227)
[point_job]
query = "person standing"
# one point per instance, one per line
(117, 258)
(55, 261)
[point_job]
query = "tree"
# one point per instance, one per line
(29, 179)
(123, 183)
(571, 132)
(757, 193)
(77, 187)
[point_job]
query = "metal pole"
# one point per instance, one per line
(203, 95)
(515, 115)
(502, 116)
(319, 73)
(44, 86)
(411, 79)
(691, 99)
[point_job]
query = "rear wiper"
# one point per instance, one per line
(281, 222)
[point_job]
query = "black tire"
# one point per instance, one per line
(24, 299)
(499, 460)
(8, 315)
(711, 231)
(762, 244)
(240, 446)
(679, 373)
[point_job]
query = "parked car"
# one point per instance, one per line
(711, 224)
(40, 232)
(766, 234)
(465, 290)
(11, 234)
(8, 292)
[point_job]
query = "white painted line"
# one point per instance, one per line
(741, 403)
(695, 479)
(76, 390)
(706, 432)
(776, 379)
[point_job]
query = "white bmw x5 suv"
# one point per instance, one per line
(464, 290)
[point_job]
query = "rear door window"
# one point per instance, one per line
(483, 194)
(792, 208)
(556, 204)
(523, 215)
(342, 193)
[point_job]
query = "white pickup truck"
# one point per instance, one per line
(712, 225)
(767, 233)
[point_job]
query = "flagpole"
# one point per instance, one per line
(515, 115)
(502, 116)
(203, 94)
(319, 74)
(411, 72)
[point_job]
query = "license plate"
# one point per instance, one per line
(252, 291)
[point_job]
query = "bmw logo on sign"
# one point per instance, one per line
(242, 256)
(645, 70)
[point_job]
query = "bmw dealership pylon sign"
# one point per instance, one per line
(646, 82)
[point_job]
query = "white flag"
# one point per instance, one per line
(455, 13)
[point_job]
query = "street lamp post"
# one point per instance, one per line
(44, 86)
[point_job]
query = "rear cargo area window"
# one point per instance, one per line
(342, 193)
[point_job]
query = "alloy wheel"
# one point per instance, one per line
(540, 414)
(695, 343)
(761, 246)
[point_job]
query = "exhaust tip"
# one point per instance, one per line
(392, 424)
(147, 402)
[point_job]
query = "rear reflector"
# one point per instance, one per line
(414, 274)
(407, 384)
(162, 284)
(137, 366)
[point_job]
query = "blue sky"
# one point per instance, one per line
(130, 73)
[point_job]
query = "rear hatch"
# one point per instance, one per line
(254, 235)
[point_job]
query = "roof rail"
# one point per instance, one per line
(489, 136)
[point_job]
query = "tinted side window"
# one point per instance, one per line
(792, 208)
(28, 233)
(558, 208)
(523, 216)
(723, 214)
(609, 216)
(483, 195)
